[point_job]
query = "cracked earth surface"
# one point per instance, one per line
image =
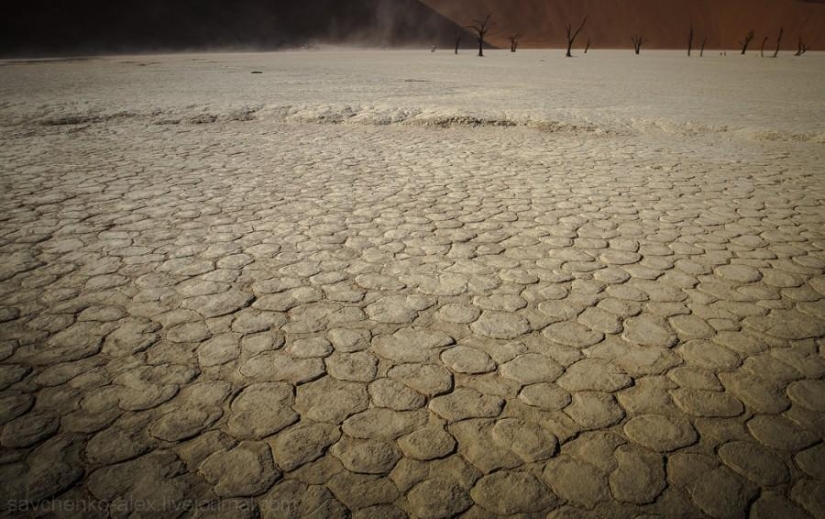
(259, 319)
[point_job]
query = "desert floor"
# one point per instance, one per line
(403, 283)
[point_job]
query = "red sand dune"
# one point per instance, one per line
(664, 23)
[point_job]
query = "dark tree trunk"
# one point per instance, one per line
(587, 46)
(802, 48)
(637, 43)
(690, 39)
(514, 42)
(571, 36)
(481, 28)
(778, 41)
(704, 41)
(746, 42)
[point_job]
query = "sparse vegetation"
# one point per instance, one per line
(514, 41)
(801, 48)
(571, 35)
(744, 43)
(638, 41)
(459, 35)
(690, 39)
(778, 41)
(481, 28)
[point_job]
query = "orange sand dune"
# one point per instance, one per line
(664, 23)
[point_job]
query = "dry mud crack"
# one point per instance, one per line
(263, 319)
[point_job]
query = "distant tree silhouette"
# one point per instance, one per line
(514, 41)
(744, 43)
(778, 41)
(762, 48)
(690, 39)
(638, 41)
(481, 28)
(704, 41)
(571, 35)
(801, 47)
(459, 35)
(587, 45)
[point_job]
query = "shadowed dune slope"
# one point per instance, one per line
(664, 23)
(41, 27)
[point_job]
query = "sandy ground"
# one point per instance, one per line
(394, 284)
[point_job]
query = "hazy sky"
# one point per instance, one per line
(106, 25)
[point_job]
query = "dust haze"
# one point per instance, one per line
(101, 27)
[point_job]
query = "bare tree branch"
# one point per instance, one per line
(746, 42)
(481, 28)
(459, 35)
(779, 41)
(571, 35)
(802, 48)
(514, 41)
(638, 41)
(690, 39)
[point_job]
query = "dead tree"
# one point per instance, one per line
(481, 28)
(587, 45)
(638, 41)
(704, 41)
(778, 41)
(690, 39)
(762, 49)
(801, 48)
(571, 35)
(459, 35)
(746, 42)
(514, 41)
